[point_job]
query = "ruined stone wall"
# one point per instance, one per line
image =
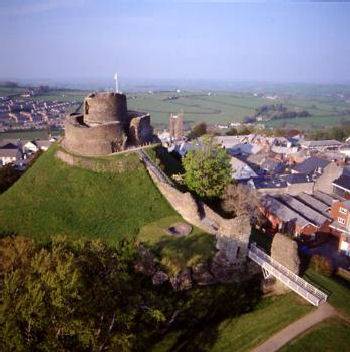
(232, 234)
(106, 107)
(92, 140)
(140, 130)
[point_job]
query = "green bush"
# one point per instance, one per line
(208, 169)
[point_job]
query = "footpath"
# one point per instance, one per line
(275, 342)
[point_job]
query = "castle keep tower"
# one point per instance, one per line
(106, 126)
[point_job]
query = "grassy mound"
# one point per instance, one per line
(53, 198)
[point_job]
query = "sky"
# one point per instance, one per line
(271, 41)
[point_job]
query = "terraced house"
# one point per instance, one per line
(340, 213)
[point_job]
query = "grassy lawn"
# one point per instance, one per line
(181, 252)
(53, 198)
(330, 335)
(249, 330)
(337, 288)
(246, 331)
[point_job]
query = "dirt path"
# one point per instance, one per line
(275, 342)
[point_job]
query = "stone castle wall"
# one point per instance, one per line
(92, 140)
(106, 126)
(232, 234)
(140, 130)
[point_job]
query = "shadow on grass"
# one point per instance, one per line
(210, 306)
(4, 234)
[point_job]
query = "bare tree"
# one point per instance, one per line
(241, 200)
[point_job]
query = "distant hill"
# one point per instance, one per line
(54, 198)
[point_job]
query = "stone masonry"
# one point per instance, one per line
(232, 234)
(106, 126)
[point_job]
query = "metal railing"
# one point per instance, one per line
(293, 281)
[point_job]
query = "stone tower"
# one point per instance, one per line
(176, 126)
(106, 126)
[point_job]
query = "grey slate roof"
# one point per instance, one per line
(310, 165)
(343, 181)
(313, 216)
(314, 203)
(8, 152)
(325, 198)
(297, 178)
(284, 213)
(265, 183)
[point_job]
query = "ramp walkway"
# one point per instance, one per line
(272, 267)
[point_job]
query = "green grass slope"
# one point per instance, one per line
(241, 333)
(330, 335)
(53, 198)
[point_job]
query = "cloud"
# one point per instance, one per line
(18, 8)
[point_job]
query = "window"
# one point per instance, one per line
(343, 210)
(341, 221)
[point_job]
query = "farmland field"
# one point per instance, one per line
(221, 106)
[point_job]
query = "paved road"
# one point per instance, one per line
(275, 342)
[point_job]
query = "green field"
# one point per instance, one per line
(330, 335)
(224, 107)
(242, 333)
(62, 95)
(53, 94)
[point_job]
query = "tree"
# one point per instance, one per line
(72, 296)
(198, 130)
(85, 296)
(239, 200)
(208, 169)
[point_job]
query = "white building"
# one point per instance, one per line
(241, 171)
